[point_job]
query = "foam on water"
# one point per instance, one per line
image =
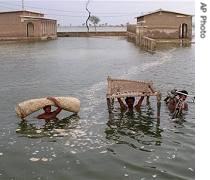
(163, 58)
(136, 149)
(94, 96)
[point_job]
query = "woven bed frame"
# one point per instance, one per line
(119, 88)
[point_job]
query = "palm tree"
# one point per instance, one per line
(95, 20)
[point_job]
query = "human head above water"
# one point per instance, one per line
(130, 101)
(47, 109)
(182, 94)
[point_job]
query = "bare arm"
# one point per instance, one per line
(41, 116)
(49, 116)
(122, 105)
(171, 105)
(58, 110)
(185, 106)
(138, 105)
(54, 100)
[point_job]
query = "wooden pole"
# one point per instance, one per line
(147, 100)
(158, 106)
(110, 104)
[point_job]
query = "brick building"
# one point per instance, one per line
(159, 27)
(162, 24)
(26, 25)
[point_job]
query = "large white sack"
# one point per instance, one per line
(26, 108)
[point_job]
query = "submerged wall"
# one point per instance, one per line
(88, 34)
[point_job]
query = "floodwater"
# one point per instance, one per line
(94, 145)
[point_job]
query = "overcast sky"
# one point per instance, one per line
(112, 12)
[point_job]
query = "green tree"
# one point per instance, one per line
(95, 20)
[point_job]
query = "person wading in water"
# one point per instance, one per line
(129, 104)
(48, 114)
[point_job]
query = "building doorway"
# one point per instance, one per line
(183, 30)
(30, 30)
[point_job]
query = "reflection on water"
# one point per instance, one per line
(180, 121)
(128, 146)
(135, 126)
(49, 129)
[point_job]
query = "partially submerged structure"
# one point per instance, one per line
(119, 88)
(161, 26)
(26, 25)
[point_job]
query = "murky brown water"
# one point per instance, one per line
(95, 145)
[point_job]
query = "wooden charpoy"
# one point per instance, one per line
(120, 88)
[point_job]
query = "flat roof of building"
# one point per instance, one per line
(161, 10)
(6, 12)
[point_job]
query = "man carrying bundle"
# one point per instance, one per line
(177, 103)
(48, 114)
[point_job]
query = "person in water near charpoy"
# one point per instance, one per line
(174, 102)
(129, 104)
(48, 114)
